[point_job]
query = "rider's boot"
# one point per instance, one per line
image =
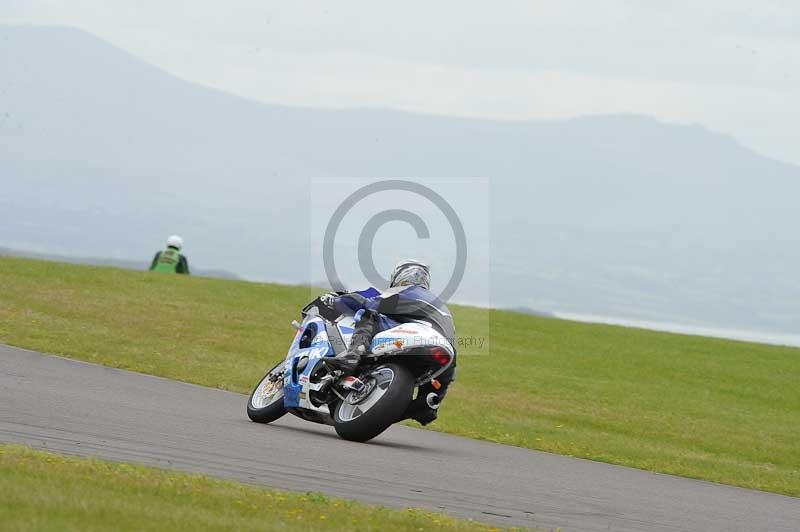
(426, 416)
(348, 361)
(425, 409)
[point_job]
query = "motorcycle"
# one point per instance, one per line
(362, 405)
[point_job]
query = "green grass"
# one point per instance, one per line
(46, 491)
(699, 407)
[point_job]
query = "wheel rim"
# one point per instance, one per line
(267, 392)
(357, 404)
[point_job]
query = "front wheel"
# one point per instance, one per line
(266, 402)
(363, 415)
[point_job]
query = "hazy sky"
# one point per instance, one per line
(732, 65)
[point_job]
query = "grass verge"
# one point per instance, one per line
(46, 491)
(707, 408)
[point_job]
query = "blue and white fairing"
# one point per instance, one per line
(314, 333)
(296, 385)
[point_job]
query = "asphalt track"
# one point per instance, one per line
(77, 408)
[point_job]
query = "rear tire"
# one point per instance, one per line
(267, 407)
(387, 401)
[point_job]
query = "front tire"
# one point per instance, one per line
(361, 417)
(265, 404)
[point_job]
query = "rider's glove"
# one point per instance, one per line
(329, 299)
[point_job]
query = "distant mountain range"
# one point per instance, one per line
(103, 155)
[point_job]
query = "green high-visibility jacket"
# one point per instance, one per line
(170, 260)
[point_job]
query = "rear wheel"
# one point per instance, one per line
(363, 415)
(266, 402)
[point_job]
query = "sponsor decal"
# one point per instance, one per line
(382, 343)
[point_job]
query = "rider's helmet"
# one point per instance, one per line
(175, 242)
(411, 272)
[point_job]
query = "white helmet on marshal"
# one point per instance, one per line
(175, 242)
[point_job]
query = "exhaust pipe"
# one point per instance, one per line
(433, 400)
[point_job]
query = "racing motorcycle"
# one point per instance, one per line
(362, 405)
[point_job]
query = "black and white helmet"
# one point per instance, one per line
(411, 272)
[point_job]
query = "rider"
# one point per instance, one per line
(171, 260)
(408, 299)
